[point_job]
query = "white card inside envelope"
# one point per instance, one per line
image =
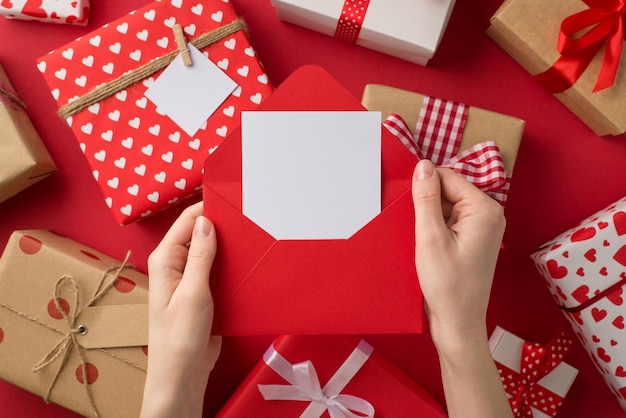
(190, 95)
(311, 175)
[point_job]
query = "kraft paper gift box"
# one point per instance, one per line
(407, 30)
(585, 271)
(62, 304)
(528, 30)
(533, 375)
(332, 365)
(478, 125)
(24, 159)
(365, 284)
(73, 12)
(142, 160)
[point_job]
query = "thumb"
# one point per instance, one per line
(201, 254)
(426, 188)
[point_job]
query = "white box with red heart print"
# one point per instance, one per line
(71, 12)
(585, 270)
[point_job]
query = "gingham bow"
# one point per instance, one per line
(305, 385)
(481, 164)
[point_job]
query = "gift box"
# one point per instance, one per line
(142, 160)
(338, 372)
(444, 129)
(73, 12)
(554, 56)
(585, 271)
(407, 30)
(535, 378)
(24, 159)
(371, 274)
(73, 325)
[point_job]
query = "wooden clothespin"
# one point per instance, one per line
(181, 42)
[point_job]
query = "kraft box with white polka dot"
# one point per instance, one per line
(409, 30)
(585, 270)
(47, 283)
(142, 160)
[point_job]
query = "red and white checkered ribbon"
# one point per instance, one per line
(523, 388)
(351, 20)
(481, 164)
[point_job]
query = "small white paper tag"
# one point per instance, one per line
(190, 95)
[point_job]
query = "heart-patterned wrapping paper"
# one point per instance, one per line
(142, 161)
(72, 12)
(585, 270)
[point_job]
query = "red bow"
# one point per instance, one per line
(604, 22)
(481, 164)
(537, 361)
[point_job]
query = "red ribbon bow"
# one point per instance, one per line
(537, 361)
(581, 37)
(481, 164)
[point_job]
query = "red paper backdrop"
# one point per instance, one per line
(563, 173)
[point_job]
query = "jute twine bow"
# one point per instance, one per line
(8, 94)
(114, 86)
(69, 342)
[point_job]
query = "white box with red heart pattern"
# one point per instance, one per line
(585, 270)
(71, 12)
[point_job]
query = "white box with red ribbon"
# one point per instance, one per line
(409, 30)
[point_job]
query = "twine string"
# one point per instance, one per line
(116, 85)
(7, 93)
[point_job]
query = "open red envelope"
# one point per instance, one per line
(366, 284)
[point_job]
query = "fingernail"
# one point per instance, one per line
(425, 169)
(202, 228)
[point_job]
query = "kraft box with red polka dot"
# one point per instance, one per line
(409, 30)
(72, 12)
(73, 325)
(585, 270)
(142, 160)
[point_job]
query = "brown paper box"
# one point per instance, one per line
(528, 31)
(30, 326)
(482, 125)
(23, 158)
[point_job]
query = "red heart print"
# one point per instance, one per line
(620, 372)
(555, 246)
(591, 255)
(603, 271)
(566, 254)
(616, 296)
(595, 339)
(618, 322)
(613, 343)
(598, 314)
(580, 272)
(556, 271)
(603, 355)
(580, 294)
(606, 243)
(7, 4)
(602, 224)
(560, 293)
(578, 318)
(619, 219)
(622, 392)
(583, 234)
(620, 256)
(581, 337)
(74, 4)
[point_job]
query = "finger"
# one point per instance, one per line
(426, 190)
(200, 258)
(455, 189)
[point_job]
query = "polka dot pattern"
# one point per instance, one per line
(54, 312)
(92, 373)
(29, 245)
(351, 20)
(124, 285)
(1, 335)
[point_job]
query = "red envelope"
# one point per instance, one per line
(366, 284)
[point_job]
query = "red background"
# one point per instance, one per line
(563, 173)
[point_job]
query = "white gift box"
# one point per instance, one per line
(406, 29)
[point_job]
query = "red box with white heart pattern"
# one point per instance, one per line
(585, 270)
(50, 286)
(71, 12)
(142, 160)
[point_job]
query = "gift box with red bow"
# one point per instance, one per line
(585, 270)
(410, 30)
(583, 68)
(320, 376)
(24, 159)
(73, 12)
(141, 158)
(73, 325)
(535, 378)
(452, 134)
